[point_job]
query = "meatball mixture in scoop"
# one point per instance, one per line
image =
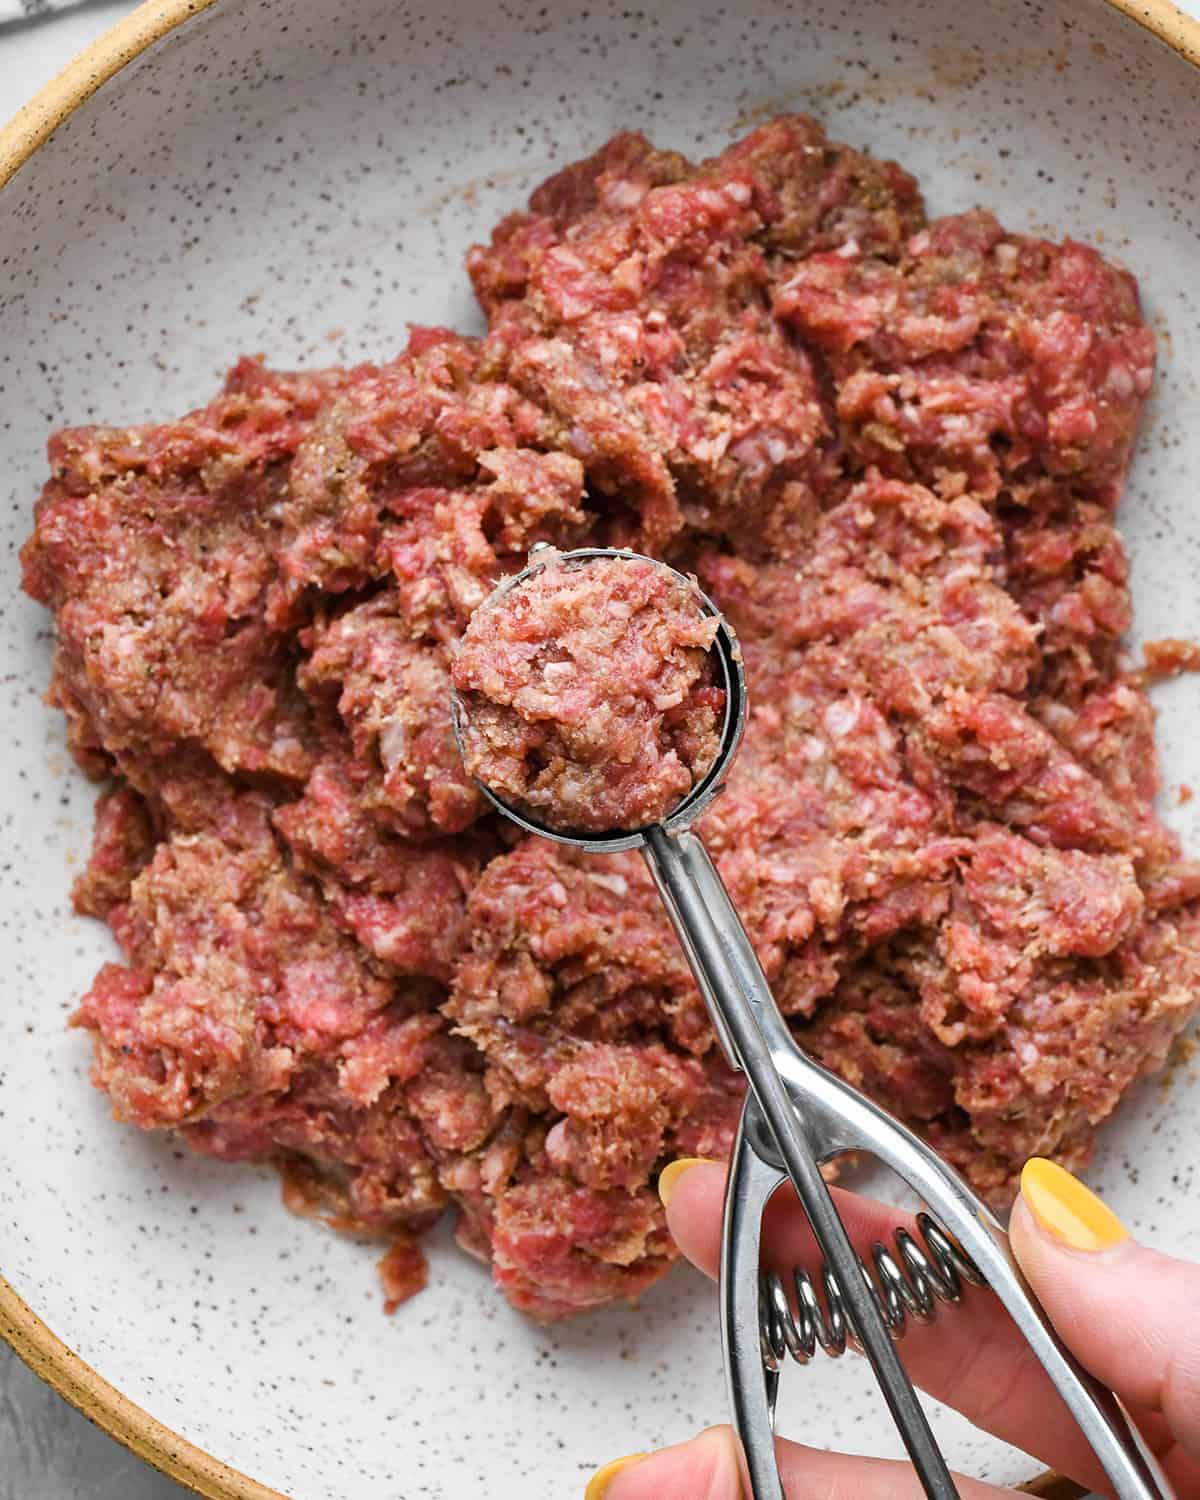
(589, 696)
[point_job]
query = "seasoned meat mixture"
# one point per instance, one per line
(891, 450)
(589, 696)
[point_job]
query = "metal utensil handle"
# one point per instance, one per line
(752, 1383)
(839, 1119)
(828, 1117)
(748, 1022)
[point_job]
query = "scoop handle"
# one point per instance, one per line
(841, 1119)
(752, 1030)
(752, 1386)
(805, 1115)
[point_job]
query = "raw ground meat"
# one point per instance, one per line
(1171, 657)
(978, 358)
(242, 1018)
(890, 450)
(596, 1045)
(633, 303)
(589, 697)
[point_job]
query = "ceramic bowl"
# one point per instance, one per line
(300, 178)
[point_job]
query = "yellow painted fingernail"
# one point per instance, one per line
(1066, 1209)
(669, 1177)
(599, 1482)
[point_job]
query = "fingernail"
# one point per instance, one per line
(602, 1478)
(1066, 1209)
(669, 1177)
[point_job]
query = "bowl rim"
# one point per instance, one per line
(20, 1327)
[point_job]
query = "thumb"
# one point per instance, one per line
(709, 1468)
(706, 1468)
(1130, 1314)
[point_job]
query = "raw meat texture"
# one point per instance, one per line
(1170, 657)
(404, 902)
(122, 844)
(633, 303)
(239, 1000)
(949, 884)
(579, 1001)
(979, 356)
(420, 471)
(589, 695)
(155, 548)
(392, 696)
(891, 450)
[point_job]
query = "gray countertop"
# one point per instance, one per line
(49, 1452)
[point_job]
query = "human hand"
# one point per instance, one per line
(1130, 1314)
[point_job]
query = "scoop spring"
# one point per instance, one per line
(910, 1283)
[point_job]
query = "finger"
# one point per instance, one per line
(973, 1359)
(1130, 1314)
(693, 1192)
(708, 1468)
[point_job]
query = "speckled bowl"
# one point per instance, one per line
(300, 177)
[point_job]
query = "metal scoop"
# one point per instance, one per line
(798, 1115)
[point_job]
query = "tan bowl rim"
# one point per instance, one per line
(41, 1349)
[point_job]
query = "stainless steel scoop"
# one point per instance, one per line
(798, 1115)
